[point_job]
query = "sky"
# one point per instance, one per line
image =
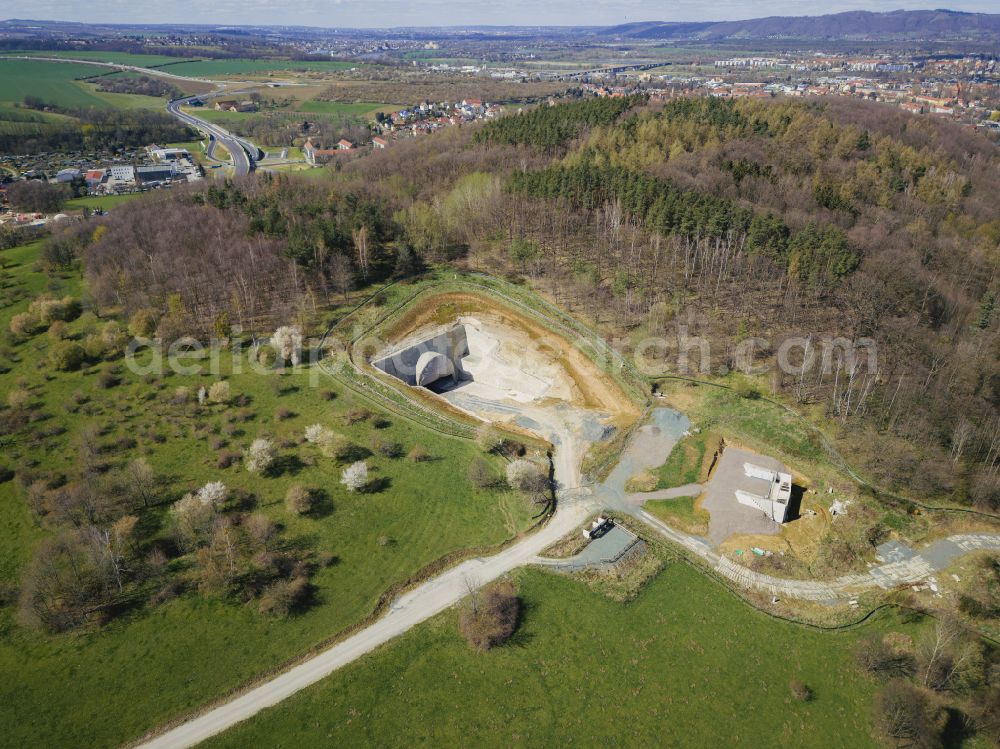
(388, 13)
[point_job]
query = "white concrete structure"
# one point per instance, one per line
(774, 495)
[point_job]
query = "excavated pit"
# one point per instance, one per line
(498, 372)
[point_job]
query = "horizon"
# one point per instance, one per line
(442, 14)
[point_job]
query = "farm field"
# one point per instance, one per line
(349, 109)
(193, 648)
(658, 669)
(53, 82)
(104, 202)
(209, 68)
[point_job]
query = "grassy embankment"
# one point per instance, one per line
(180, 654)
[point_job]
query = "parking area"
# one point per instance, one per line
(728, 516)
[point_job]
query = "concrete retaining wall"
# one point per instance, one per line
(402, 363)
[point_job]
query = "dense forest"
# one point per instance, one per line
(727, 219)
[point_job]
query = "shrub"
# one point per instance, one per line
(114, 337)
(281, 413)
(18, 397)
(355, 476)
(336, 446)
(219, 392)
(57, 330)
(526, 476)
(386, 447)
(67, 356)
(354, 415)
(142, 324)
(327, 395)
(282, 598)
(47, 310)
(489, 618)
(94, 347)
(266, 356)
(108, 377)
(418, 454)
(299, 500)
(24, 324)
(260, 455)
(800, 691)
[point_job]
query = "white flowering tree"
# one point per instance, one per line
(287, 343)
(355, 476)
(317, 434)
(260, 455)
(213, 493)
(192, 520)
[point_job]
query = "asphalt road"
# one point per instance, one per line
(243, 152)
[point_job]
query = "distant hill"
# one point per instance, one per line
(903, 24)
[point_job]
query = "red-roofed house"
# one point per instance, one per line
(378, 142)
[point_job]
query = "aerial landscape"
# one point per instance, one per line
(464, 374)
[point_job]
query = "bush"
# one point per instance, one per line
(284, 597)
(387, 448)
(24, 324)
(418, 454)
(903, 713)
(299, 500)
(266, 356)
(526, 476)
(260, 455)
(94, 347)
(877, 657)
(67, 356)
(108, 377)
(219, 392)
(490, 617)
(18, 397)
(800, 691)
(142, 324)
(481, 473)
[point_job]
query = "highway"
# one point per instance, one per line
(244, 153)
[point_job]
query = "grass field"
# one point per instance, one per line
(53, 82)
(680, 513)
(194, 648)
(220, 117)
(104, 202)
(118, 58)
(209, 68)
(689, 461)
(361, 109)
(684, 665)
